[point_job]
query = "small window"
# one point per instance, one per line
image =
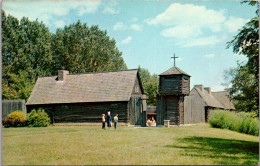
(170, 77)
(186, 78)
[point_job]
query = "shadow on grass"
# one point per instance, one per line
(222, 151)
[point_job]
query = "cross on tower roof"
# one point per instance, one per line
(174, 57)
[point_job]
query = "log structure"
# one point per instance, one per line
(83, 98)
(174, 85)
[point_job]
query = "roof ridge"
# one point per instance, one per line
(174, 71)
(104, 72)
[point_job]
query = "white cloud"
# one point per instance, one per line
(127, 40)
(119, 26)
(45, 10)
(111, 7)
(234, 23)
(134, 19)
(136, 27)
(185, 15)
(203, 41)
(209, 55)
(182, 31)
(60, 24)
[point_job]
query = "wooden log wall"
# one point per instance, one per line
(172, 110)
(181, 110)
(160, 110)
(170, 85)
(185, 85)
(135, 111)
(83, 112)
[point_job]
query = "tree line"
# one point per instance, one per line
(30, 50)
(244, 79)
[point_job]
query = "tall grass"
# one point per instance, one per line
(241, 122)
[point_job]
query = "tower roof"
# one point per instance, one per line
(174, 71)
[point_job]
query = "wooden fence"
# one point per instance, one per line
(9, 106)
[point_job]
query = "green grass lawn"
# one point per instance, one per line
(70, 145)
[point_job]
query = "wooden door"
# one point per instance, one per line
(135, 111)
(172, 112)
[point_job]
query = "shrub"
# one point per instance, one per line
(17, 115)
(241, 122)
(38, 118)
(14, 122)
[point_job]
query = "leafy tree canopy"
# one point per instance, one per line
(30, 50)
(150, 85)
(244, 78)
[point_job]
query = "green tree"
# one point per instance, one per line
(26, 55)
(244, 79)
(150, 84)
(80, 49)
(30, 51)
(242, 90)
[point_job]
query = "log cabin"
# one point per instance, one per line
(83, 98)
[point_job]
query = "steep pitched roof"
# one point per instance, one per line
(90, 87)
(224, 98)
(174, 71)
(209, 100)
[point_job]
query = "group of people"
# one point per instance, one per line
(108, 119)
(151, 122)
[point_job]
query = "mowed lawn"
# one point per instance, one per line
(85, 145)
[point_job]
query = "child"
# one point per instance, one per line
(115, 120)
(103, 122)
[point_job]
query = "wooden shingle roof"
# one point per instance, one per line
(174, 71)
(224, 98)
(90, 87)
(209, 100)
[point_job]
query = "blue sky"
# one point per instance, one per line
(150, 32)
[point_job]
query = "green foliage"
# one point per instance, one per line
(26, 55)
(150, 84)
(244, 78)
(14, 122)
(243, 90)
(38, 118)
(79, 48)
(17, 115)
(241, 122)
(30, 50)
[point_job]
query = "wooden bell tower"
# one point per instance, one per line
(174, 84)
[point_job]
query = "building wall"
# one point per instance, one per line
(170, 85)
(135, 105)
(83, 112)
(185, 84)
(194, 109)
(160, 107)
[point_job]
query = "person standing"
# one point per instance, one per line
(103, 122)
(115, 121)
(109, 120)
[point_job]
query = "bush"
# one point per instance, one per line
(38, 118)
(14, 122)
(15, 119)
(17, 115)
(241, 122)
